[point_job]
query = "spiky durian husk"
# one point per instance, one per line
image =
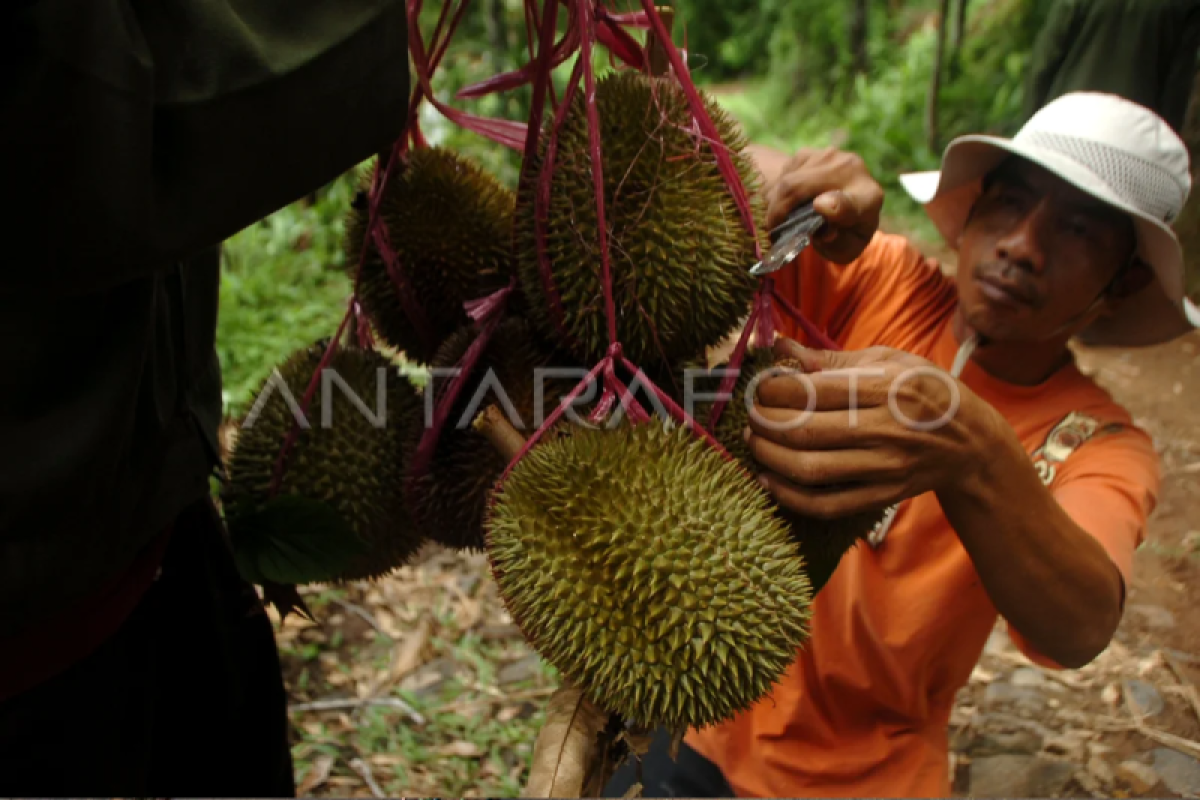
(678, 250)
(822, 542)
(346, 463)
(450, 223)
(449, 499)
(650, 571)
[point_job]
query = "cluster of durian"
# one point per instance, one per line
(652, 571)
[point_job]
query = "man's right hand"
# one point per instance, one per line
(842, 191)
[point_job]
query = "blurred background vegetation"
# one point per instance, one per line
(853, 73)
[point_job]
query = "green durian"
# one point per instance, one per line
(449, 499)
(650, 571)
(678, 250)
(342, 474)
(450, 224)
(822, 542)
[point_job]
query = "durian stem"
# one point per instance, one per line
(657, 60)
(507, 440)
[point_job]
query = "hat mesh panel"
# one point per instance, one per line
(1140, 183)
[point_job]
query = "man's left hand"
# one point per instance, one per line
(862, 430)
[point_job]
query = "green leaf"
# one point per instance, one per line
(293, 540)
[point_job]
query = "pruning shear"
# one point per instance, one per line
(789, 239)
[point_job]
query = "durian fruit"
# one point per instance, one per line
(822, 542)
(678, 250)
(449, 499)
(339, 514)
(651, 571)
(450, 224)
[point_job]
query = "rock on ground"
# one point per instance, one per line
(1018, 776)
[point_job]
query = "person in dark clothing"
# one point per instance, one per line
(136, 138)
(1142, 50)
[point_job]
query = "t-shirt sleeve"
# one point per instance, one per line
(1109, 487)
(888, 285)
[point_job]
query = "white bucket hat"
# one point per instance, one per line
(1115, 150)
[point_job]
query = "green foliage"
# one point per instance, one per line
(884, 118)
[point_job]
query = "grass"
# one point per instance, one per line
(450, 655)
(281, 289)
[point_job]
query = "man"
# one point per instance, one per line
(1143, 50)
(1022, 489)
(136, 137)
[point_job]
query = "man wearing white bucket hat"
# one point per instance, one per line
(1126, 158)
(1020, 489)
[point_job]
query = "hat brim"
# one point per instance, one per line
(1156, 314)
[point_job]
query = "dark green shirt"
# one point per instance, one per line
(136, 136)
(1142, 50)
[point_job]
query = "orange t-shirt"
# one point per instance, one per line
(864, 710)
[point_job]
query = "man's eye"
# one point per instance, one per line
(1078, 227)
(1007, 198)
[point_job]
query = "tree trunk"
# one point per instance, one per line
(935, 83)
(497, 30)
(960, 26)
(859, 17)
(960, 32)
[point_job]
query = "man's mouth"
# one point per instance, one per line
(1004, 292)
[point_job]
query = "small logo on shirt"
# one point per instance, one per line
(1065, 438)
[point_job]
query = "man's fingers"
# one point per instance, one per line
(835, 389)
(824, 468)
(801, 429)
(831, 502)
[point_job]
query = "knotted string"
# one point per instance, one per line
(487, 313)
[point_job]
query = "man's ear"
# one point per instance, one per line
(1131, 280)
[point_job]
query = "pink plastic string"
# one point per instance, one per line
(277, 471)
(563, 405)
(814, 334)
(405, 292)
(488, 313)
(586, 39)
(541, 206)
(676, 411)
(707, 127)
(735, 363)
(505, 132)
(506, 81)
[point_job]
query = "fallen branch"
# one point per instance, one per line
(1189, 689)
(364, 771)
(515, 697)
(365, 615)
(362, 702)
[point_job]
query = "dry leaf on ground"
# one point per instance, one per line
(406, 657)
(460, 749)
(316, 776)
(566, 751)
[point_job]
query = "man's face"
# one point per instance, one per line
(1035, 253)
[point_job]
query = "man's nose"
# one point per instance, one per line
(1022, 243)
